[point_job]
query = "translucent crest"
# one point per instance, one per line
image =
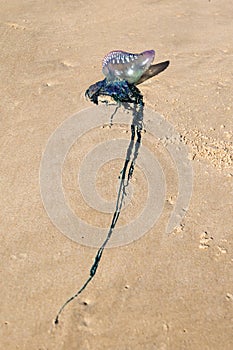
(127, 66)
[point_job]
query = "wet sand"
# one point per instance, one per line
(162, 291)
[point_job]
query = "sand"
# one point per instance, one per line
(162, 291)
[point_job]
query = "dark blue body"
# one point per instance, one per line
(119, 90)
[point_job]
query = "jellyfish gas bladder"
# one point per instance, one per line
(127, 66)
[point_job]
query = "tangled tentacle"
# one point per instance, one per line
(119, 90)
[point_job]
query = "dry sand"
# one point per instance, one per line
(160, 292)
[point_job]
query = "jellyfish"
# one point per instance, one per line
(122, 71)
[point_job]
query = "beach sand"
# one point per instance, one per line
(162, 291)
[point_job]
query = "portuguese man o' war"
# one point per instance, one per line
(123, 71)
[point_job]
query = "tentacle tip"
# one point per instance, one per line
(86, 95)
